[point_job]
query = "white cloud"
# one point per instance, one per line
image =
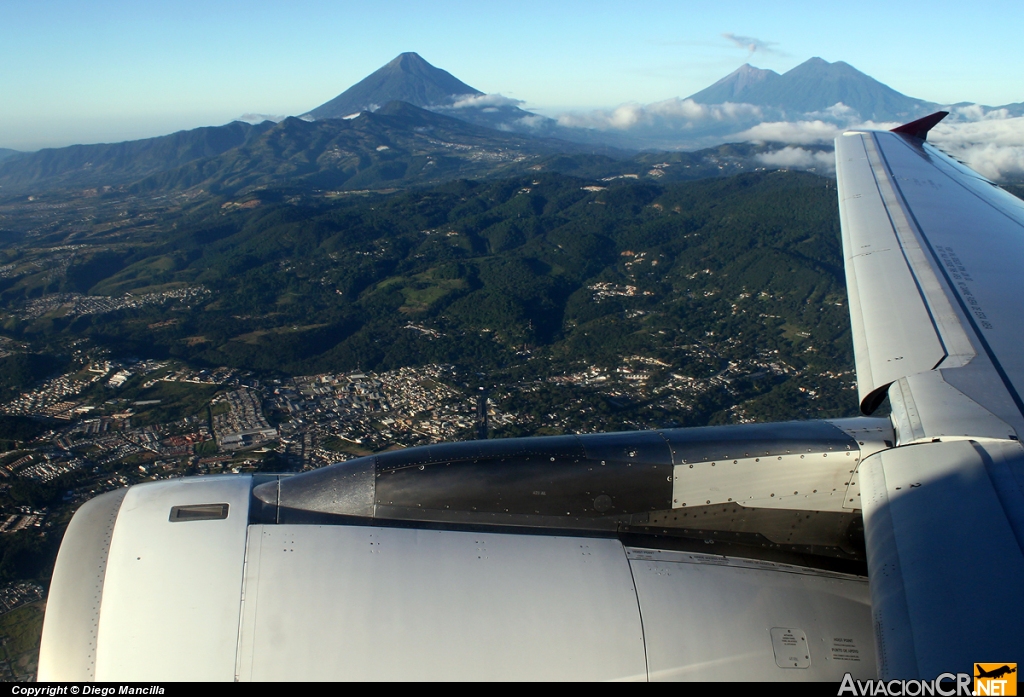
(751, 44)
(836, 112)
(799, 158)
(992, 145)
(993, 161)
(809, 131)
(875, 125)
(532, 121)
(476, 101)
(672, 113)
(260, 118)
(975, 112)
(801, 132)
(1001, 131)
(989, 140)
(621, 117)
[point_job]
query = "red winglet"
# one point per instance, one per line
(920, 128)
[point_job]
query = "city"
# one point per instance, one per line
(241, 424)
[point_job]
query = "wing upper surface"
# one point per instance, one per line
(934, 254)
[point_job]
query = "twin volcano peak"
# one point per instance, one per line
(407, 78)
(816, 86)
(813, 86)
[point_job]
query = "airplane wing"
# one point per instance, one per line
(934, 256)
(731, 552)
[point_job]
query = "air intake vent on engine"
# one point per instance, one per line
(202, 511)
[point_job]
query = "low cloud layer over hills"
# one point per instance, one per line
(788, 120)
(808, 105)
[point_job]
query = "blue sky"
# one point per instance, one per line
(108, 71)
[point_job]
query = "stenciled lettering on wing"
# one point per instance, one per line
(958, 272)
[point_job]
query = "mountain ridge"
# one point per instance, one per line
(480, 132)
(103, 164)
(814, 86)
(399, 144)
(731, 87)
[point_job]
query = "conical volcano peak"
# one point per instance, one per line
(410, 62)
(734, 86)
(408, 57)
(407, 78)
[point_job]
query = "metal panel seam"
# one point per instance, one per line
(952, 334)
(885, 576)
(241, 604)
(862, 357)
(100, 581)
(254, 598)
(639, 610)
(896, 233)
(994, 467)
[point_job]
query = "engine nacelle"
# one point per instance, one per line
(551, 558)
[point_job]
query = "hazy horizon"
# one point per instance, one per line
(121, 71)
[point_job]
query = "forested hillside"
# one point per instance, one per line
(514, 279)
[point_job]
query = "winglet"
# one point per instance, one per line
(920, 128)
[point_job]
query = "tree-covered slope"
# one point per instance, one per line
(511, 276)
